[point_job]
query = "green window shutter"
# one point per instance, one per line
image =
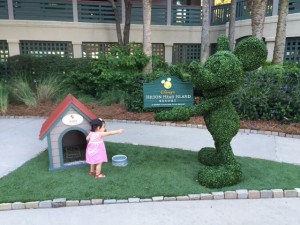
(292, 50)
(43, 48)
(186, 52)
(93, 49)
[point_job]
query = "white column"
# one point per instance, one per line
(169, 12)
(10, 10)
(77, 50)
(270, 42)
(14, 47)
(168, 52)
(275, 7)
(75, 10)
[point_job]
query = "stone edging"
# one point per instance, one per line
(200, 126)
(238, 194)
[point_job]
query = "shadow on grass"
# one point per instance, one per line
(151, 171)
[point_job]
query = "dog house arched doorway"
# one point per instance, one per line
(73, 145)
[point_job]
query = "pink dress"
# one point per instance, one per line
(95, 150)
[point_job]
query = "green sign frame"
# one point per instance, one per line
(168, 91)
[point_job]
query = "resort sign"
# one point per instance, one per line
(168, 91)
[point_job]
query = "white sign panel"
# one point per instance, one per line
(72, 119)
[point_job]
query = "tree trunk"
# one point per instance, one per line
(280, 38)
(232, 24)
(126, 32)
(147, 46)
(258, 12)
(205, 32)
(118, 22)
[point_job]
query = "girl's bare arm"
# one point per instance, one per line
(113, 132)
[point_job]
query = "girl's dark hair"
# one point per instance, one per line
(96, 123)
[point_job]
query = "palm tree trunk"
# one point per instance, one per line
(205, 32)
(232, 24)
(147, 46)
(118, 22)
(258, 12)
(280, 38)
(126, 31)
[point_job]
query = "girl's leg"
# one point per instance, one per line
(98, 168)
(92, 168)
(98, 171)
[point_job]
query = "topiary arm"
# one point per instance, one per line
(210, 105)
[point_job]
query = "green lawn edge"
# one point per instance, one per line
(151, 171)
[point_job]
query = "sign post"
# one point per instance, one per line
(168, 91)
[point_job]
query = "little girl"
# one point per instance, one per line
(95, 150)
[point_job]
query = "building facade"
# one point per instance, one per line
(83, 28)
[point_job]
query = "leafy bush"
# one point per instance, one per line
(223, 43)
(112, 97)
(175, 114)
(270, 94)
(35, 66)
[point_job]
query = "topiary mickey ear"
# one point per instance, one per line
(252, 52)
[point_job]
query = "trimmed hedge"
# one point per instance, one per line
(222, 75)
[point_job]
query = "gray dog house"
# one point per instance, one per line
(66, 130)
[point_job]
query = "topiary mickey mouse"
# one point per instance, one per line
(221, 75)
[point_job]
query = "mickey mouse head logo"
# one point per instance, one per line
(167, 83)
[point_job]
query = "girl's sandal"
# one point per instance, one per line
(91, 173)
(100, 176)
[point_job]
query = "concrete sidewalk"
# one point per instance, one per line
(20, 143)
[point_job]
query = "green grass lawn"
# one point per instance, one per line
(151, 171)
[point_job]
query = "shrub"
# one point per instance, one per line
(223, 43)
(176, 114)
(22, 91)
(270, 94)
(113, 96)
(222, 75)
(48, 88)
(35, 66)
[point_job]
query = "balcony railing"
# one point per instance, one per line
(243, 12)
(94, 12)
(294, 6)
(220, 14)
(101, 12)
(186, 16)
(158, 17)
(43, 10)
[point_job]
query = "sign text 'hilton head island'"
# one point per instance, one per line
(168, 91)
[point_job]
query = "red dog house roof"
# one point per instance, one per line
(68, 101)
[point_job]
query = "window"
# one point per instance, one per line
(93, 49)
(292, 50)
(186, 52)
(42, 48)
